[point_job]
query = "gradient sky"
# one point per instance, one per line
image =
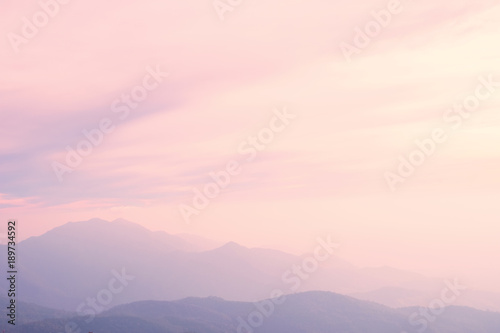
(323, 174)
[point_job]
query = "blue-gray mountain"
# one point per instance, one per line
(71, 264)
(310, 312)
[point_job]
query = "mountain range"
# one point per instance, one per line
(66, 266)
(309, 312)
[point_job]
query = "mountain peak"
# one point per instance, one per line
(232, 245)
(93, 220)
(122, 221)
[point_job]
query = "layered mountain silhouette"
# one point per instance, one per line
(69, 264)
(399, 297)
(28, 313)
(318, 312)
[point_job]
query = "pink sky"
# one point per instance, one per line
(323, 174)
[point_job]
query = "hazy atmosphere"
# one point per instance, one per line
(265, 123)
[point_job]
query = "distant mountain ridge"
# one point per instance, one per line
(309, 312)
(28, 313)
(73, 262)
(399, 297)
